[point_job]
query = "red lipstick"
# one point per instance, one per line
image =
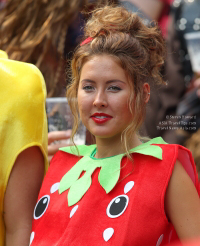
(100, 118)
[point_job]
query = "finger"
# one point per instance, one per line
(49, 158)
(198, 93)
(52, 149)
(197, 83)
(58, 135)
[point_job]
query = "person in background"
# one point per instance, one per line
(122, 190)
(23, 142)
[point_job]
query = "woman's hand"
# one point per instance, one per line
(54, 146)
(197, 85)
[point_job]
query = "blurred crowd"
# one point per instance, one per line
(46, 33)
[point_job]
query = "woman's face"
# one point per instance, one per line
(103, 97)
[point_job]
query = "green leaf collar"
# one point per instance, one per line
(109, 172)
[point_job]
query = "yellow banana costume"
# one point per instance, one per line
(22, 118)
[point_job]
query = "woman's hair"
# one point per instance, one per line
(140, 50)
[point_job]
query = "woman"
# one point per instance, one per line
(120, 191)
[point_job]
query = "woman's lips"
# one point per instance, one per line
(100, 118)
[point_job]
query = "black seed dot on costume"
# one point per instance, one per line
(41, 206)
(117, 206)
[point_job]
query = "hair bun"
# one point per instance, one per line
(110, 19)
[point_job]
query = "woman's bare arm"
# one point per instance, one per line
(182, 204)
(21, 196)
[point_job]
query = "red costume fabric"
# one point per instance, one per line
(131, 214)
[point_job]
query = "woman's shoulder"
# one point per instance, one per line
(170, 155)
(181, 163)
(178, 151)
(71, 154)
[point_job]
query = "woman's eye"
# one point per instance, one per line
(88, 88)
(114, 88)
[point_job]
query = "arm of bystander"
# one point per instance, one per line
(21, 196)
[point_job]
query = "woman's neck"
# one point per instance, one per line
(107, 147)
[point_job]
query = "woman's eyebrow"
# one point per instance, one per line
(107, 82)
(115, 80)
(88, 80)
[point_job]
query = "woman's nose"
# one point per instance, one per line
(100, 100)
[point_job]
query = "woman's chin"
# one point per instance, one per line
(106, 135)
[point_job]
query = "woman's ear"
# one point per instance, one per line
(146, 89)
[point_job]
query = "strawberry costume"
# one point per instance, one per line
(108, 201)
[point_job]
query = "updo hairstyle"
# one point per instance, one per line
(139, 49)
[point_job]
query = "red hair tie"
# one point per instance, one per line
(86, 41)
